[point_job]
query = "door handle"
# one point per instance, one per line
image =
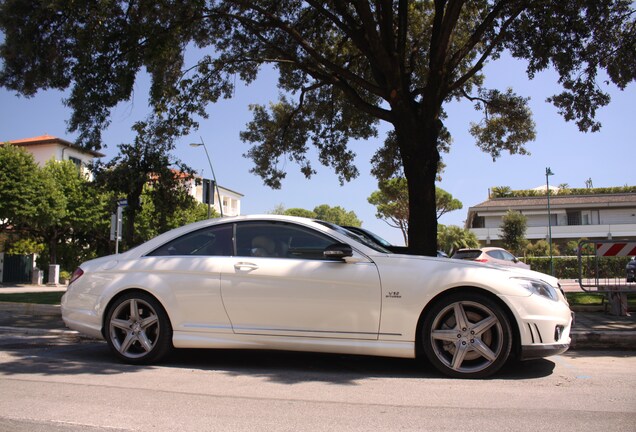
(245, 266)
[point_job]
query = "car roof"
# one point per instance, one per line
(163, 238)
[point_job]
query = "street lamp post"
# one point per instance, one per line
(548, 173)
(216, 185)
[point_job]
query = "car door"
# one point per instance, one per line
(281, 284)
(186, 271)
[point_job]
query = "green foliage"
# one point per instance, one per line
(54, 206)
(300, 212)
(278, 210)
(29, 198)
(541, 248)
(513, 231)
(606, 268)
(588, 299)
(336, 215)
(150, 221)
(83, 214)
(445, 203)
(506, 192)
(52, 298)
(148, 161)
(572, 247)
(392, 203)
(500, 192)
(25, 246)
(507, 123)
(450, 238)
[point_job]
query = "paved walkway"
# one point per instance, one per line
(593, 327)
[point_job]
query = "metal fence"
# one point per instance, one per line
(603, 270)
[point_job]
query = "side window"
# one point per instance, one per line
(495, 254)
(212, 241)
(508, 256)
(280, 240)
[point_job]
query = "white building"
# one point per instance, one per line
(572, 217)
(47, 147)
(231, 200)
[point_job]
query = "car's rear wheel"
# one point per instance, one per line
(467, 335)
(137, 329)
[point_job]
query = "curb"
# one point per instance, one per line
(32, 308)
(39, 331)
(589, 340)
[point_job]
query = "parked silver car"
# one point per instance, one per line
(492, 255)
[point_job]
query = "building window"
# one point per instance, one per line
(76, 161)
(574, 218)
(479, 222)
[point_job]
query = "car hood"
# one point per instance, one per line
(513, 271)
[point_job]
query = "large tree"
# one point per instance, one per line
(83, 222)
(28, 199)
(344, 66)
(55, 206)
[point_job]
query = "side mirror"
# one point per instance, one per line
(338, 251)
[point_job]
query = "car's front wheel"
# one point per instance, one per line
(137, 329)
(467, 335)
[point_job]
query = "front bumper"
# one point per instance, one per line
(541, 351)
(544, 326)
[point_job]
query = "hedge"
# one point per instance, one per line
(506, 192)
(568, 267)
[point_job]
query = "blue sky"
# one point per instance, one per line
(607, 157)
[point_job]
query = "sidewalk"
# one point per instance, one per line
(593, 328)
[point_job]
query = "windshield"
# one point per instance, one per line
(467, 254)
(359, 238)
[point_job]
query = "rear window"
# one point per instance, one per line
(467, 254)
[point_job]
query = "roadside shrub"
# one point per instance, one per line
(568, 267)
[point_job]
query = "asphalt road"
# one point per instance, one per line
(55, 383)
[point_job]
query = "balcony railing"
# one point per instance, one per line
(615, 231)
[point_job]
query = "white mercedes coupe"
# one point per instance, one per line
(286, 283)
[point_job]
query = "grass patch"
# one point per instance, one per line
(587, 299)
(50, 298)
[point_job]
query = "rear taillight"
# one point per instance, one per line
(76, 275)
(481, 260)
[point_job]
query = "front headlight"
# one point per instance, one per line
(536, 286)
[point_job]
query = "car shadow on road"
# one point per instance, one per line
(55, 357)
(297, 367)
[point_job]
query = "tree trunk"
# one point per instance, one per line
(131, 211)
(417, 139)
(53, 249)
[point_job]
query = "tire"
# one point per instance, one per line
(467, 335)
(138, 330)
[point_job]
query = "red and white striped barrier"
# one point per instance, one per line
(616, 249)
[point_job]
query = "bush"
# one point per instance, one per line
(568, 267)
